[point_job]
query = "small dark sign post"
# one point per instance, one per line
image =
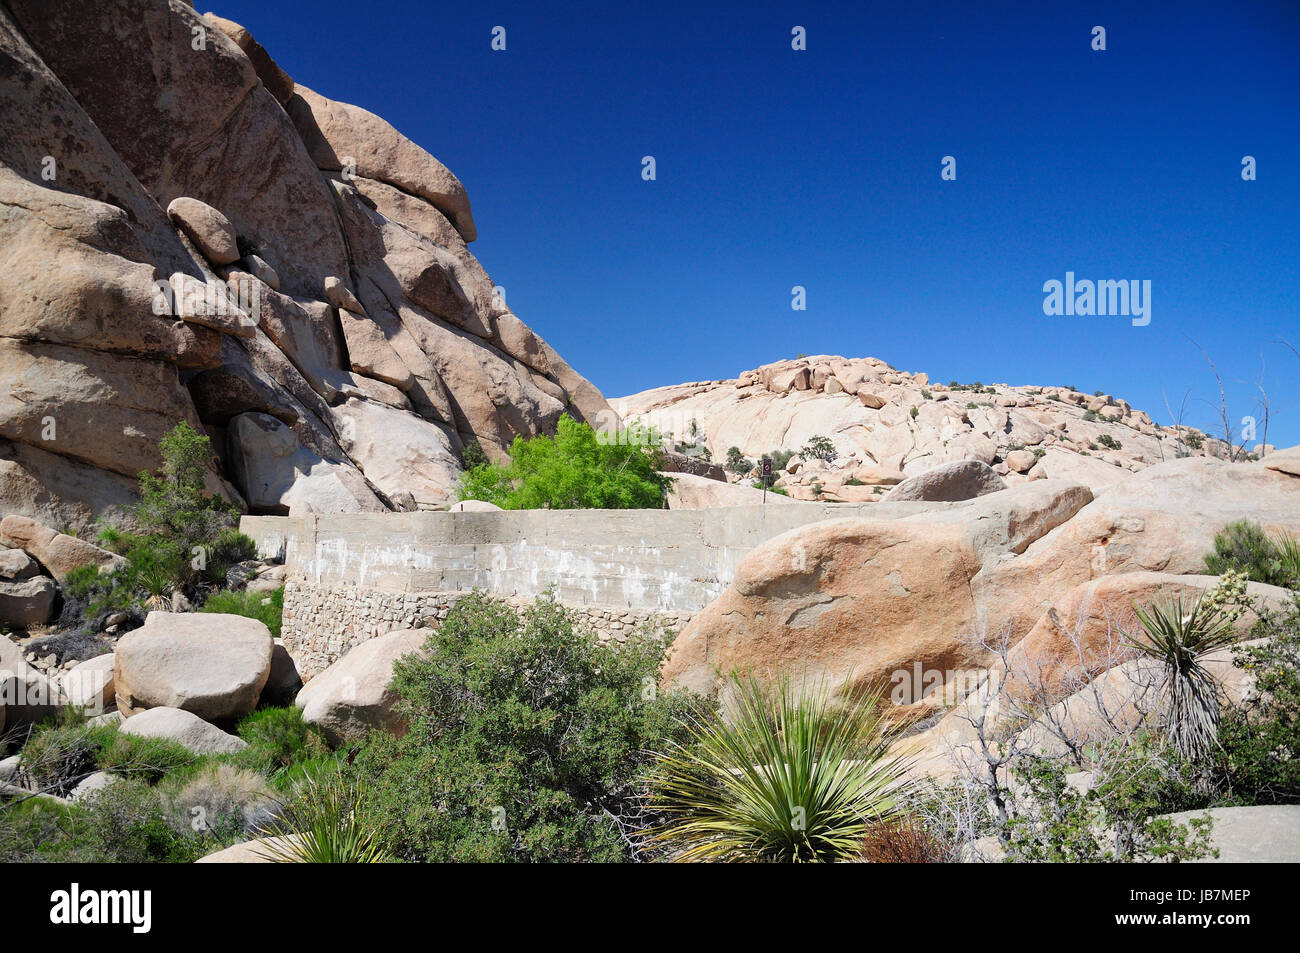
(767, 476)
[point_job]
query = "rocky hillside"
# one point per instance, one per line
(188, 234)
(887, 425)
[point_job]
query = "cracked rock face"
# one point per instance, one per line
(888, 426)
(188, 235)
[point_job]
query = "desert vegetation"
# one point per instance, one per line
(573, 469)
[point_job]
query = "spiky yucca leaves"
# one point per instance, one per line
(788, 775)
(1179, 638)
(321, 824)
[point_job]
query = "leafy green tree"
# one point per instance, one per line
(527, 740)
(818, 447)
(572, 470)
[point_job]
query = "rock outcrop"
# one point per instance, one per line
(888, 425)
(1043, 565)
(188, 235)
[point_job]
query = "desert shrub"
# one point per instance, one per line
(788, 774)
(1045, 818)
(473, 456)
(35, 830)
(1245, 546)
(853, 481)
(1109, 442)
(818, 447)
(737, 462)
(1257, 758)
(265, 607)
(572, 470)
(278, 739)
(59, 754)
(914, 412)
(904, 840)
(127, 822)
(926, 395)
(223, 801)
(1193, 439)
(780, 458)
(1091, 416)
(186, 539)
(1114, 822)
(97, 594)
(528, 740)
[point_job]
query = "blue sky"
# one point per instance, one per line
(821, 168)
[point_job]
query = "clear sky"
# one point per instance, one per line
(821, 168)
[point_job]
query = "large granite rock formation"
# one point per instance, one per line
(888, 425)
(188, 235)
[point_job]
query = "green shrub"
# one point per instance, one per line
(1109, 442)
(173, 502)
(59, 754)
(1115, 821)
(737, 462)
(128, 823)
(1245, 546)
(528, 740)
(1193, 439)
(265, 607)
(575, 469)
(473, 456)
(124, 823)
(1091, 416)
(914, 412)
(780, 458)
(1257, 759)
(278, 739)
(186, 539)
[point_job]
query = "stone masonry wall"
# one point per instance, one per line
(322, 623)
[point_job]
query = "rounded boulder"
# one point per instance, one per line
(210, 664)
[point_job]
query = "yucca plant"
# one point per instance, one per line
(788, 775)
(1187, 695)
(321, 824)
